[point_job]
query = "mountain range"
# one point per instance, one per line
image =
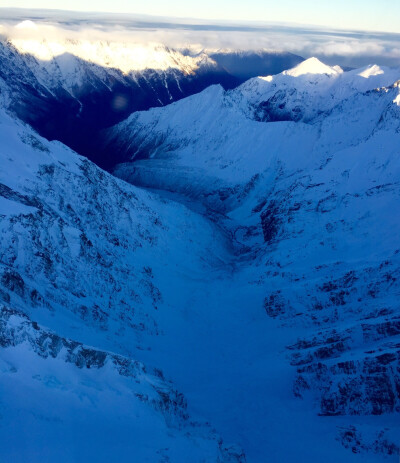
(227, 289)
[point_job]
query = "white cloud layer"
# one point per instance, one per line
(348, 48)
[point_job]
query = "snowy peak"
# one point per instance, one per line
(312, 66)
(307, 90)
(125, 57)
(27, 24)
(372, 70)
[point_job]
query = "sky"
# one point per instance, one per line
(382, 15)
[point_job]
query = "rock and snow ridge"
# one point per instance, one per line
(309, 89)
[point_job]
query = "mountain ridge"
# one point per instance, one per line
(70, 89)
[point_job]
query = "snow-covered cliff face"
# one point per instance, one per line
(312, 202)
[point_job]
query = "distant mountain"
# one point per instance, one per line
(68, 90)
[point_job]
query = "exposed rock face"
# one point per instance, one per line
(367, 386)
(378, 443)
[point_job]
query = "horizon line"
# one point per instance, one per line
(203, 21)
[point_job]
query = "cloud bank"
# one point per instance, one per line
(346, 48)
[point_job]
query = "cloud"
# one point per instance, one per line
(350, 48)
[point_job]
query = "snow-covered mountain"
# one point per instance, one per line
(81, 89)
(85, 259)
(307, 93)
(309, 89)
(302, 169)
